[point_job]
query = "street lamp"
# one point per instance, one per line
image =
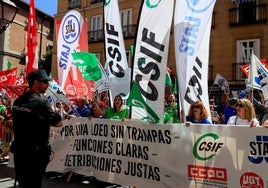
(8, 10)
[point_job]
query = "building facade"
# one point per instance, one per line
(13, 40)
(237, 29)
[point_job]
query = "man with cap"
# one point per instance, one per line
(32, 117)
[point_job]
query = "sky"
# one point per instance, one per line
(47, 6)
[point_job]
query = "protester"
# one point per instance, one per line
(32, 117)
(264, 116)
(245, 114)
(81, 109)
(230, 110)
(220, 110)
(63, 110)
(96, 112)
(214, 115)
(104, 101)
(171, 110)
(198, 113)
(118, 111)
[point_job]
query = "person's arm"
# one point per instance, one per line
(59, 124)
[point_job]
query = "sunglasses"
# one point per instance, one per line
(239, 105)
(196, 106)
(43, 81)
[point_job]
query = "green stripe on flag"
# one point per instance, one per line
(135, 99)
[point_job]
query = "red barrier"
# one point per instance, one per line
(6, 134)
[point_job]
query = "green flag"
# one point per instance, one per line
(175, 87)
(88, 65)
(135, 99)
(168, 80)
(9, 65)
(131, 48)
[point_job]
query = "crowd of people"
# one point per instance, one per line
(238, 111)
(38, 114)
(97, 107)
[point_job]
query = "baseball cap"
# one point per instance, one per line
(39, 75)
(233, 101)
(211, 100)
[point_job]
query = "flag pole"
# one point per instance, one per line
(211, 89)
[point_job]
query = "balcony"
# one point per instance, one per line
(248, 15)
(95, 1)
(96, 36)
(129, 32)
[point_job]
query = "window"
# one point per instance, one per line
(74, 4)
(244, 49)
(96, 28)
(126, 21)
(247, 12)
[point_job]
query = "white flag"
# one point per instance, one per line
(223, 83)
(116, 59)
(263, 76)
(192, 25)
(150, 59)
(253, 80)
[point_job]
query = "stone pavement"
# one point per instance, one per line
(53, 179)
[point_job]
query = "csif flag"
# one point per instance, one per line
(31, 41)
(116, 62)
(135, 99)
(150, 57)
(88, 65)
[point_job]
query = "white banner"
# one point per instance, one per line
(141, 154)
(192, 24)
(116, 59)
(150, 56)
(67, 42)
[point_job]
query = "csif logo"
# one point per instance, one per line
(207, 146)
(152, 3)
(107, 2)
(199, 6)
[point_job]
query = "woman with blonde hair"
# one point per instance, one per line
(198, 113)
(245, 114)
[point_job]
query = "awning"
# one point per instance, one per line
(241, 1)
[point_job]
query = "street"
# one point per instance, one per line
(53, 179)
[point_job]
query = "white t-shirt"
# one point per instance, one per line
(235, 120)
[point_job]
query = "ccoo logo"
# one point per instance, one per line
(199, 6)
